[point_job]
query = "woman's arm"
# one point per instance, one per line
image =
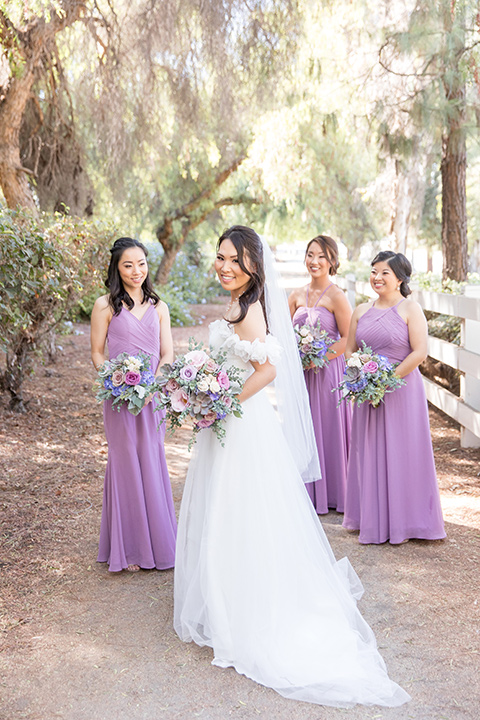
(251, 328)
(99, 322)
(166, 340)
(343, 315)
(417, 335)
(351, 344)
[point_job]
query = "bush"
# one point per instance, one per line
(46, 265)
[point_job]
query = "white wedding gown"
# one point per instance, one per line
(255, 577)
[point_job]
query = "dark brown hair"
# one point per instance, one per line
(249, 247)
(118, 294)
(330, 248)
(400, 265)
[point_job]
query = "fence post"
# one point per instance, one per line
(351, 294)
(470, 386)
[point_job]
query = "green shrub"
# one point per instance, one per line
(46, 265)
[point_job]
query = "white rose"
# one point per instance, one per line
(307, 339)
(140, 390)
(214, 386)
(354, 361)
(203, 385)
(303, 331)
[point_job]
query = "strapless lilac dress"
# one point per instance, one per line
(138, 525)
(392, 490)
(331, 423)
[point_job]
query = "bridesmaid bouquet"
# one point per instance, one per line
(367, 377)
(198, 387)
(127, 379)
(313, 344)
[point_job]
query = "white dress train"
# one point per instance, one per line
(255, 577)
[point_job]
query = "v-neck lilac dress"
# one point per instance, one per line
(331, 423)
(138, 525)
(392, 490)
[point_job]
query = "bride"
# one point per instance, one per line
(255, 577)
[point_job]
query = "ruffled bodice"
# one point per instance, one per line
(239, 352)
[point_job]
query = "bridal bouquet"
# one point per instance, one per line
(127, 379)
(198, 387)
(313, 344)
(368, 376)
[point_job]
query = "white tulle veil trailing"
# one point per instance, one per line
(290, 389)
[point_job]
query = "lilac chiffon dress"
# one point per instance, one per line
(331, 423)
(138, 524)
(392, 491)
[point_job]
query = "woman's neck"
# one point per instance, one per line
(319, 284)
(388, 300)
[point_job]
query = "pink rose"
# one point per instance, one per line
(223, 380)
(370, 367)
(171, 385)
(210, 365)
(132, 378)
(197, 358)
(207, 420)
(118, 378)
(179, 400)
(228, 402)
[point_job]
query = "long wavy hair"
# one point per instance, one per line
(118, 295)
(249, 250)
(329, 248)
(400, 265)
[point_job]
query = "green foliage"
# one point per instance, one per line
(191, 282)
(46, 265)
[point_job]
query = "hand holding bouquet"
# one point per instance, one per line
(368, 376)
(313, 344)
(127, 379)
(198, 387)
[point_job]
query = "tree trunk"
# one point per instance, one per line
(454, 152)
(167, 263)
(454, 206)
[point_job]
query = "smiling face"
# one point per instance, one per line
(316, 261)
(383, 280)
(232, 277)
(132, 268)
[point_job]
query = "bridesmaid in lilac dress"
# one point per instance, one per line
(392, 491)
(138, 526)
(323, 301)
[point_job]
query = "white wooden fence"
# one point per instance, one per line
(464, 357)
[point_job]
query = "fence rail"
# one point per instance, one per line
(464, 357)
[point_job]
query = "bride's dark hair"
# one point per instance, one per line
(118, 295)
(249, 248)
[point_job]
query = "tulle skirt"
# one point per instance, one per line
(256, 579)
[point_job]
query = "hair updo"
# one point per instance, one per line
(118, 295)
(330, 248)
(400, 265)
(250, 258)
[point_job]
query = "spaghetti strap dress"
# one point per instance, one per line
(392, 491)
(331, 421)
(138, 525)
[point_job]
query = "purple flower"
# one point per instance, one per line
(370, 367)
(357, 386)
(107, 383)
(116, 391)
(132, 378)
(148, 378)
(188, 372)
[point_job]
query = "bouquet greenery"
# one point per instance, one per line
(127, 379)
(199, 387)
(368, 376)
(313, 344)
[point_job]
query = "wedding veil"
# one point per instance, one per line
(290, 389)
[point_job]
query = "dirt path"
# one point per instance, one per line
(79, 643)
